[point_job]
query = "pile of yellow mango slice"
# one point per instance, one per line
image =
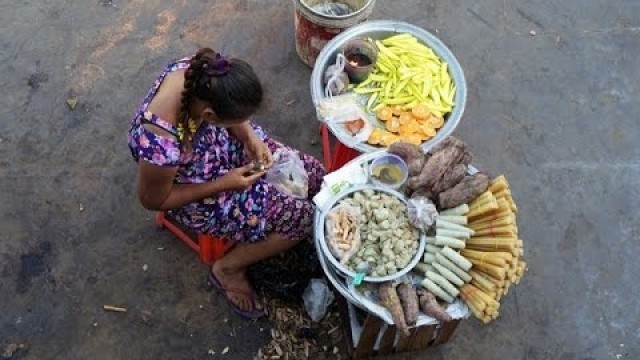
(410, 90)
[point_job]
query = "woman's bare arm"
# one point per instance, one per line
(243, 132)
(158, 192)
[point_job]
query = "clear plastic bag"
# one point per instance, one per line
(317, 297)
(422, 212)
(343, 231)
(350, 124)
(327, 106)
(288, 173)
(336, 80)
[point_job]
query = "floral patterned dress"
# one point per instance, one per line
(242, 216)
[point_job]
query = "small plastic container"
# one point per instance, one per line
(393, 160)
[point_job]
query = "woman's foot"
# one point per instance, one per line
(236, 287)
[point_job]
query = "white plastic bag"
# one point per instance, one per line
(317, 297)
(422, 212)
(339, 119)
(329, 105)
(336, 80)
(288, 173)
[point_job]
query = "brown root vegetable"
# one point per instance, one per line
(466, 190)
(430, 306)
(413, 183)
(423, 192)
(436, 166)
(389, 299)
(411, 154)
(427, 156)
(451, 177)
(416, 165)
(450, 141)
(445, 166)
(409, 300)
(466, 158)
(405, 150)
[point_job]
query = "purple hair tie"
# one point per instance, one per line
(217, 66)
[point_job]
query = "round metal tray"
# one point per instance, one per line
(339, 280)
(381, 30)
(343, 269)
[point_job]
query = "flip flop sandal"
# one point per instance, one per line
(252, 314)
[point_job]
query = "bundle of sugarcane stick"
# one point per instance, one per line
(494, 250)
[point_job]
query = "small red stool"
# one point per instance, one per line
(208, 247)
(342, 154)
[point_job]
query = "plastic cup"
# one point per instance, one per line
(390, 159)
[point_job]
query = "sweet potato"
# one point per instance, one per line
(430, 306)
(405, 150)
(438, 164)
(389, 299)
(466, 158)
(413, 184)
(409, 300)
(416, 165)
(451, 177)
(466, 190)
(422, 192)
(450, 141)
(411, 154)
(435, 167)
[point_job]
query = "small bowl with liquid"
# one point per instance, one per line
(389, 170)
(361, 56)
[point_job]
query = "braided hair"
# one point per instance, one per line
(229, 87)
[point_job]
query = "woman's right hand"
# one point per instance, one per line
(240, 178)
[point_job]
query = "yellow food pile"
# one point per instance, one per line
(495, 250)
(410, 90)
(413, 125)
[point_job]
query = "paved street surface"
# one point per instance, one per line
(554, 103)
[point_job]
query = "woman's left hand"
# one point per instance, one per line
(259, 151)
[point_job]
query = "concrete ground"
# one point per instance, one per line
(556, 111)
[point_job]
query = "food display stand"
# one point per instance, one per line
(366, 332)
(412, 100)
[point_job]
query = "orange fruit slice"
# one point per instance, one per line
(421, 111)
(384, 114)
(411, 128)
(388, 139)
(376, 136)
(393, 125)
(406, 118)
(414, 139)
(435, 121)
(427, 130)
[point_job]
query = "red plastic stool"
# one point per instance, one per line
(342, 154)
(209, 248)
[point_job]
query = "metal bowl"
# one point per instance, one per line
(381, 30)
(320, 231)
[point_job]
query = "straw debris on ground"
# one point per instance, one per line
(294, 336)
